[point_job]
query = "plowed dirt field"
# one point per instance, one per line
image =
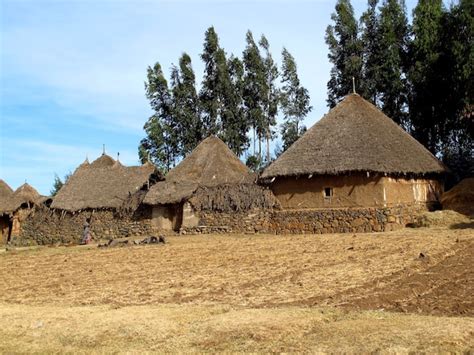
(254, 293)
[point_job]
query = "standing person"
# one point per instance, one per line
(86, 234)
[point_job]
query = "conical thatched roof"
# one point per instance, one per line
(24, 194)
(104, 183)
(355, 136)
(210, 164)
(5, 194)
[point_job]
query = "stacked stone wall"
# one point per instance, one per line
(315, 221)
(254, 221)
(44, 226)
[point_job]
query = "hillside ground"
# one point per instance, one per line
(409, 290)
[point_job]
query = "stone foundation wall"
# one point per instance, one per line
(360, 220)
(315, 221)
(44, 226)
(255, 221)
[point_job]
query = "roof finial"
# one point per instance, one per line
(148, 157)
(353, 85)
(118, 156)
(103, 149)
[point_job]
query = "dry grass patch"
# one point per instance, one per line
(191, 328)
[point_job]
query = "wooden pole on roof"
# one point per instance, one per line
(103, 149)
(353, 85)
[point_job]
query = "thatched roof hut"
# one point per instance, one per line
(12, 201)
(212, 179)
(355, 136)
(211, 164)
(5, 194)
(102, 184)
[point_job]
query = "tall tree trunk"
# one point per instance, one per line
(268, 145)
(254, 138)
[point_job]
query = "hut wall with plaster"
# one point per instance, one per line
(354, 190)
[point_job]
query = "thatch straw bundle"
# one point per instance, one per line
(460, 198)
(104, 183)
(355, 136)
(233, 198)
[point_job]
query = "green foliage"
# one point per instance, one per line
(211, 83)
(234, 123)
(457, 62)
(426, 81)
(371, 53)
(255, 90)
(294, 101)
(186, 106)
(235, 96)
(345, 52)
(58, 183)
(392, 65)
(290, 133)
(161, 141)
(254, 163)
(272, 100)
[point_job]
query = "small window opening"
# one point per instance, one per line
(328, 192)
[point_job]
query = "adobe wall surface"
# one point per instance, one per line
(411, 191)
(348, 191)
(357, 190)
(44, 226)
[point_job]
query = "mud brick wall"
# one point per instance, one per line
(44, 226)
(315, 221)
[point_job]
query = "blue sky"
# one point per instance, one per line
(72, 72)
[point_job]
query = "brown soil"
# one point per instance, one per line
(443, 288)
(368, 271)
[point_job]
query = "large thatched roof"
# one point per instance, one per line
(210, 164)
(103, 183)
(25, 194)
(355, 136)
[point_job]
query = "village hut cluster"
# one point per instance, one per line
(354, 171)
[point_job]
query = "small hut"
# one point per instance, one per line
(211, 180)
(105, 192)
(355, 156)
(15, 207)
